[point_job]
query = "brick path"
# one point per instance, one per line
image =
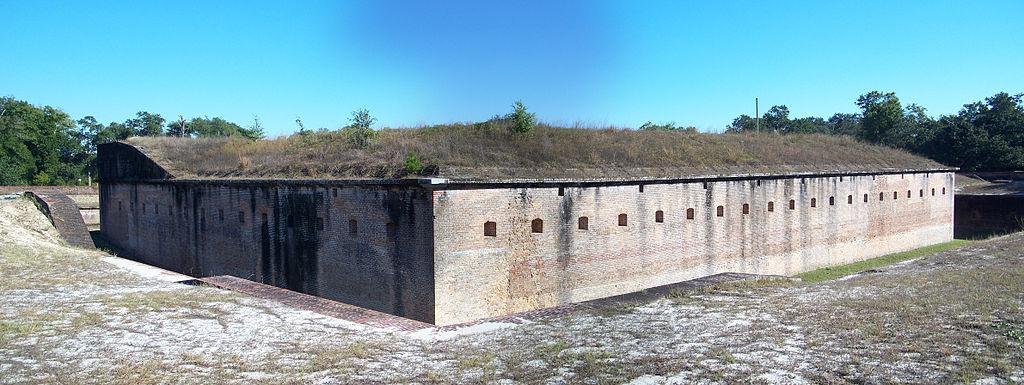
(379, 319)
(316, 304)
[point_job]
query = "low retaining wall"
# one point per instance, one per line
(63, 213)
(979, 216)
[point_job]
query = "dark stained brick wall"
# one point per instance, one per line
(985, 215)
(293, 236)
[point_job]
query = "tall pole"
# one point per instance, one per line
(757, 116)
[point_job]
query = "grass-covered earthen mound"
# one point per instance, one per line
(480, 152)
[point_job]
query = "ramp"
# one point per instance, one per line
(63, 213)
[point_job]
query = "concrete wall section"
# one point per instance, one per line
(519, 269)
(369, 246)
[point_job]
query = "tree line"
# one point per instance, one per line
(984, 135)
(44, 145)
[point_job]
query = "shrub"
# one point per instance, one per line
(361, 118)
(41, 179)
(413, 164)
(649, 126)
(358, 137)
(522, 120)
(359, 132)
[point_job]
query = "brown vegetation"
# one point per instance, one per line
(485, 152)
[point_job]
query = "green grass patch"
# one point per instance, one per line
(834, 272)
(10, 330)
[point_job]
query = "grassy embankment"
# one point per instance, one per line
(480, 151)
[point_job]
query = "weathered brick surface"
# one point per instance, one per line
(985, 215)
(420, 251)
(292, 236)
(517, 270)
(63, 213)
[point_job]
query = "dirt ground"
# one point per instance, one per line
(68, 316)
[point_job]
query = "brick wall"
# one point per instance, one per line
(369, 246)
(980, 216)
(423, 254)
(516, 270)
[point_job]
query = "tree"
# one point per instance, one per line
(218, 127)
(38, 145)
(881, 116)
(146, 124)
(776, 119)
(916, 131)
(844, 124)
(741, 123)
(178, 127)
(96, 133)
(808, 125)
(255, 131)
(984, 135)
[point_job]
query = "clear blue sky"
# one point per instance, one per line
(598, 63)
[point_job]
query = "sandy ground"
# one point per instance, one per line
(68, 316)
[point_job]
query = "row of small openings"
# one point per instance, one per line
(390, 228)
(583, 223)
(353, 225)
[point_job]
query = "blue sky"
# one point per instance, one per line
(411, 63)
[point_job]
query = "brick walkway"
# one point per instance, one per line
(316, 304)
(383, 320)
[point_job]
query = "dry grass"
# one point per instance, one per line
(483, 152)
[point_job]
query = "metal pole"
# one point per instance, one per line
(757, 116)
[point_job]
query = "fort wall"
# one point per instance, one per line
(504, 250)
(369, 246)
(984, 215)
